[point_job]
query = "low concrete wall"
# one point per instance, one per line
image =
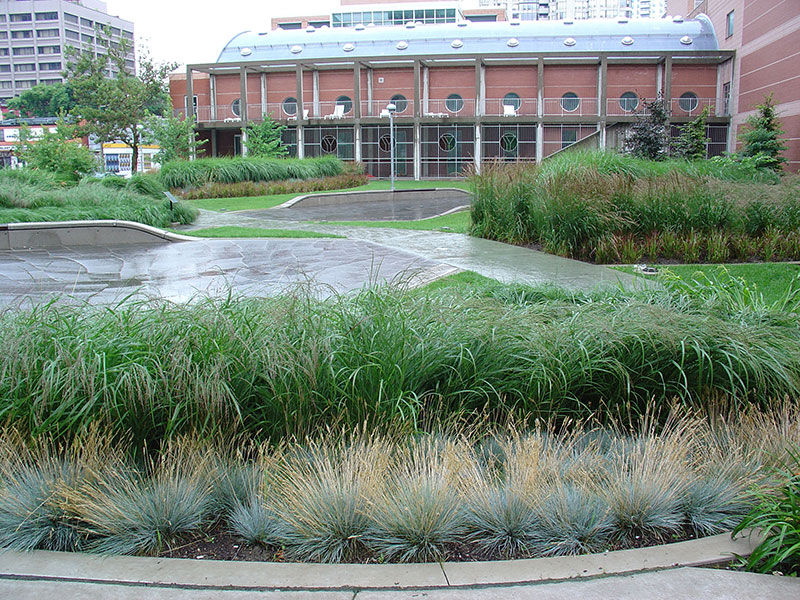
(329, 198)
(19, 236)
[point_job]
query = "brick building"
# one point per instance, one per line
(465, 92)
(766, 37)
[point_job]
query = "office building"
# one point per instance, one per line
(34, 36)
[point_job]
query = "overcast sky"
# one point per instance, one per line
(186, 31)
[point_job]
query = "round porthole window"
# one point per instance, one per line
(508, 142)
(454, 103)
(236, 107)
(629, 101)
(512, 99)
(570, 102)
(328, 144)
(688, 101)
(290, 106)
(346, 102)
(447, 142)
(400, 102)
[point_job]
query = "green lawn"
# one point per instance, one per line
(770, 279)
(255, 232)
(260, 202)
(458, 222)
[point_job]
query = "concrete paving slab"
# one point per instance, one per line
(39, 590)
(675, 584)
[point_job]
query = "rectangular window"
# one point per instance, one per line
(87, 38)
(115, 31)
(568, 137)
(726, 98)
(50, 66)
(729, 25)
(5, 85)
(5, 68)
(26, 85)
(49, 49)
(22, 35)
(24, 68)
(3, 35)
(20, 17)
(47, 16)
(87, 22)
(127, 35)
(70, 18)
(72, 35)
(46, 33)
(26, 51)
(4, 51)
(2, 18)
(50, 81)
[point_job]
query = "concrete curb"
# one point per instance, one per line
(20, 236)
(231, 575)
(366, 196)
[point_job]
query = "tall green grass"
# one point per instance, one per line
(608, 207)
(384, 358)
(29, 198)
(184, 174)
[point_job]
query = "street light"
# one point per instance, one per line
(390, 110)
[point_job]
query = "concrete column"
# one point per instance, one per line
(244, 141)
(214, 143)
(357, 90)
(212, 81)
(357, 142)
(370, 112)
(243, 98)
(189, 106)
(539, 92)
(315, 94)
(425, 89)
(263, 94)
(300, 120)
(539, 141)
(720, 99)
(602, 88)
(416, 89)
(478, 148)
(301, 151)
(478, 82)
(668, 81)
(417, 151)
(660, 79)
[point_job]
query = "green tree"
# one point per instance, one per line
(761, 137)
(691, 144)
(175, 136)
(114, 108)
(264, 139)
(649, 136)
(43, 101)
(58, 151)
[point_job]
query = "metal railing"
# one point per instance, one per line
(570, 107)
(502, 107)
(464, 107)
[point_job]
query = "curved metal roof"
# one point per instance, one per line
(454, 39)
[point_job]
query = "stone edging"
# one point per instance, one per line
(232, 575)
(20, 236)
(365, 195)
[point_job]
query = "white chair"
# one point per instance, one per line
(509, 110)
(338, 112)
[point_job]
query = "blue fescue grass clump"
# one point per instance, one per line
(185, 174)
(25, 198)
(609, 208)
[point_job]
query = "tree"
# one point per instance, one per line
(114, 108)
(761, 137)
(691, 144)
(175, 136)
(43, 101)
(264, 139)
(649, 137)
(58, 152)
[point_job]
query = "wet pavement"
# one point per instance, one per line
(180, 271)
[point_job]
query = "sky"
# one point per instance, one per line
(186, 31)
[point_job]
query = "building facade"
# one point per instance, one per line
(34, 35)
(766, 36)
(464, 93)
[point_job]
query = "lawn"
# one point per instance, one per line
(772, 280)
(254, 232)
(458, 222)
(261, 202)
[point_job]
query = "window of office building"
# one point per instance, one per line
(22, 35)
(290, 106)
(72, 35)
(127, 35)
(70, 18)
(446, 149)
(3, 35)
(26, 51)
(512, 99)
(5, 68)
(346, 102)
(50, 81)
(376, 150)
(454, 103)
(44, 50)
(26, 84)
(46, 33)
(87, 39)
(688, 101)
(729, 24)
(24, 68)
(20, 18)
(394, 17)
(400, 102)
(50, 66)
(47, 16)
(4, 51)
(337, 141)
(570, 102)
(629, 101)
(86, 22)
(508, 142)
(115, 31)
(6, 85)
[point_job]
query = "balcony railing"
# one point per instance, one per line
(570, 107)
(503, 107)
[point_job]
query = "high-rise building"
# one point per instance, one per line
(34, 35)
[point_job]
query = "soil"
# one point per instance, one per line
(218, 544)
